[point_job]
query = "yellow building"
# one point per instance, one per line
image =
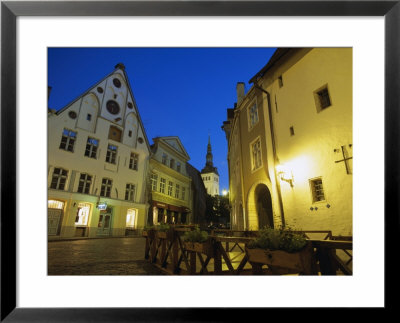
(290, 143)
(170, 184)
(98, 156)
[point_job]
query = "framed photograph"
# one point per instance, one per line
(29, 28)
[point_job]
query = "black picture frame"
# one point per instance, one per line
(10, 10)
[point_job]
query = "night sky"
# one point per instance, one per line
(180, 92)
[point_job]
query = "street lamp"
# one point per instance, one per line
(224, 192)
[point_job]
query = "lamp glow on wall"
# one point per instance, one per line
(224, 192)
(285, 174)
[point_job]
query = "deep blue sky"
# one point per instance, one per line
(180, 92)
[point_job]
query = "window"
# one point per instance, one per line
(291, 129)
(256, 154)
(253, 115)
(111, 154)
(280, 81)
(317, 190)
(162, 185)
(133, 161)
(130, 133)
(68, 139)
(89, 117)
(91, 147)
(183, 193)
(130, 192)
(177, 191)
(170, 188)
(106, 185)
(178, 166)
(322, 98)
(59, 178)
(172, 163)
(85, 181)
(154, 178)
(82, 215)
(130, 218)
(164, 159)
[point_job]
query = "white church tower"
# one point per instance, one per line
(210, 174)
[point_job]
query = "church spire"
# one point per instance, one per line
(209, 156)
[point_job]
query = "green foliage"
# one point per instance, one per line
(278, 239)
(148, 227)
(195, 236)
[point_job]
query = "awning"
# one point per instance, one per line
(170, 207)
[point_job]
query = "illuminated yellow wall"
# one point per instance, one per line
(310, 152)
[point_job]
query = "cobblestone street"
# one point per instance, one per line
(109, 256)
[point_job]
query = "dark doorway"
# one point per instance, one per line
(264, 206)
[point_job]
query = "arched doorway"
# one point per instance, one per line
(263, 204)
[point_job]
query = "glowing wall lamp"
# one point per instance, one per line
(283, 174)
(224, 192)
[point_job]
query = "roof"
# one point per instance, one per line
(278, 54)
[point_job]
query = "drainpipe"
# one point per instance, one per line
(241, 178)
(271, 127)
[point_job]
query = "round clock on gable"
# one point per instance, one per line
(112, 107)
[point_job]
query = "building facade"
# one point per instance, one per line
(210, 174)
(98, 157)
(170, 185)
(290, 143)
(199, 194)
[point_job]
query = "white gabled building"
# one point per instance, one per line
(98, 157)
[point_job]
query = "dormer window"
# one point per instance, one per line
(164, 159)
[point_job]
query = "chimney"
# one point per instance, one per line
(240, 92)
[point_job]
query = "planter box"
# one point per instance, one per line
(165, 234)
(149, 233)
(202, 247)
(302, 261)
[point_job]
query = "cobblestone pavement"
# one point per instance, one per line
(108, 256)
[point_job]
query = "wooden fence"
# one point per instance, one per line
(225, 253)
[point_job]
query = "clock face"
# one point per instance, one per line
(112, 107)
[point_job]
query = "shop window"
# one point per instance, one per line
(133, 161)
(91, 147)
(130, 218)
(130, 192)
(59, 179)
(106, 185)
(54, 204)
(85, 180)
(111, 154)
(82, 214)
(68, 139)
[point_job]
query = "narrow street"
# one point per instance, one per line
(108, 256)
